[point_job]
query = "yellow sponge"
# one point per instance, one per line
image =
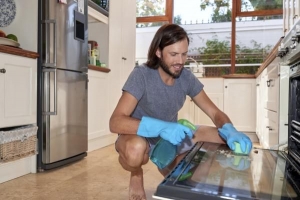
(238, 149)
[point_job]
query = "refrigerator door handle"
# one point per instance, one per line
(48, 63)
(48, 70)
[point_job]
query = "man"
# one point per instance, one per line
(149, 105)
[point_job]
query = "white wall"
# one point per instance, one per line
(25, 24)
(98, 32)
(266, 32)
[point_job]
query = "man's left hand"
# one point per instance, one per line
(231, 135)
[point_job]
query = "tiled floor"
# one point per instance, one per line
(98, 176)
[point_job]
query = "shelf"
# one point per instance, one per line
(96, 13)
(100, 69)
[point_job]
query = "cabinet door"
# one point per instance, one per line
(122, 35)
(258, 106)
(283, 104)
(187, 111)
(213, 87)
(270, 134)
(18, 90)
(128, 37)
(240, 103)
(272, 84)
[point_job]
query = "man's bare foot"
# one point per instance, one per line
(136, 186)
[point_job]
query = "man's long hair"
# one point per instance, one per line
(166, 35)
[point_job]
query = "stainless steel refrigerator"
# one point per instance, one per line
(62, 82)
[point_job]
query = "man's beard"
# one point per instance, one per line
(166, 68)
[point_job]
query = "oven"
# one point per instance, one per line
(212, 171)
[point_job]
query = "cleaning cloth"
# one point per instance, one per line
(238, 149)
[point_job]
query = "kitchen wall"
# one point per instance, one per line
(25, 24)
(99, 32)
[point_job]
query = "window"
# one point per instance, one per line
(154, 12)
(216, 39)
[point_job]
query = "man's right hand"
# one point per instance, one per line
(170, 131)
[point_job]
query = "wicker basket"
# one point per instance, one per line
(18, 143)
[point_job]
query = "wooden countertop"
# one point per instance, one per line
(239, 76)
(18, 52)
(269, 59)
(100, 69)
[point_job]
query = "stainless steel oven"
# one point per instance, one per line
(212, 171)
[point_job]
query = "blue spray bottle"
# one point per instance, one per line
(165, 152)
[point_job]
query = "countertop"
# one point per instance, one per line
(18, 52)
(100, 69)
(269, 59)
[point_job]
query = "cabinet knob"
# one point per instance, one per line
(123, 58)
(226, 86)
(3, 71)
(268, 127)
(269, 83)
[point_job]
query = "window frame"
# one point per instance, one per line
(168, 17)
(236, 12)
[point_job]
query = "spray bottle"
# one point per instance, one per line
(165, 152)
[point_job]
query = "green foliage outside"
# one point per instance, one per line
(219, 52)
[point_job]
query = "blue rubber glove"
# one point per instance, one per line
(170, 131)
(231, 135)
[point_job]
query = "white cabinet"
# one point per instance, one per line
(272, 82)
(268, 128)
(98, 111)
(18, 89)
(240, 103)
(291, 13)
(105, 88)
(283, 104)
(188, 110)
(213, 87)
(236, 97)
(122, 36)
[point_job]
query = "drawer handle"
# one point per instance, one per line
(3, 71)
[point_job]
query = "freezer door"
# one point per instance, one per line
(64, 114)
(64, 35)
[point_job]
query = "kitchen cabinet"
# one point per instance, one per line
(283, 104)
(122, 36)
(260, 95)
(98, 111)
(240, 103)
(117, 48)
(214, 90)
(236, 97)
(213, 87)
(268, 111)
(291, 13)
(18, 89)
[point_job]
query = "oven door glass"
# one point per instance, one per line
(212, 171)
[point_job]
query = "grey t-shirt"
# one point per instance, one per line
(155, 98)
